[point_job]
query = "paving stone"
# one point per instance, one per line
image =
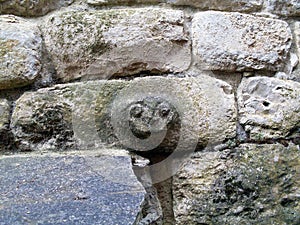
(95, 187)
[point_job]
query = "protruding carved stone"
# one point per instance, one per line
(151, 115)
(199, 109)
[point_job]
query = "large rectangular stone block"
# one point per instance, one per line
(239, 42)
(142, 114)
(117, 42)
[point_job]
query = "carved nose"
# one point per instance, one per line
(157, 124)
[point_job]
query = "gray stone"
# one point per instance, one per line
(222, 5)
(117, 42)
(239, 42)
(94, 187)
(188, 111)
(122, 2)
(29, 8)
(152, 210)
(296, 27)
(283, 7)
(4, 124)
(48, 122)
(250, 184)
(4, 114)
(269, 107)
(297, 36)
(20, 52)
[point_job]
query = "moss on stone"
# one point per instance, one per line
(6, 46)
(259, 184)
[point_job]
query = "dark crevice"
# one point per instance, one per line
(158, 206)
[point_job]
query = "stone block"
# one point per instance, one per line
(117, 42)
(221, 5)
(20, 52)
(269, 107)
(250, 184)
(29, 8)
(142, 114)
(239, 42)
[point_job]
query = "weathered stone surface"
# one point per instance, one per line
(29, 8)
(121, 42)
(122, 2)
(269, 107)
(48, 122)
(239, 42)
(4, 123)
(296, 30)
(97, 187)
(222, 5)
(283, 7)
(4, 114)
(102, 111)
(251, 184)
(20, 52)
(297, 36)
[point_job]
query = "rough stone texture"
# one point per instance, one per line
(296, 29)
(151, 212)
(4, 123)
(122, 2)
(20, 52)
(100, 111)
(251, 184)
(29, 8)
(4, 114)
(48, 122)
(283, 7)
(97, 187)
(239, 42)
(122, 42)
(297, 36)
(222, 5)
(269, 107)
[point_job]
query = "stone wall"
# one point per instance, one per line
(213, 82)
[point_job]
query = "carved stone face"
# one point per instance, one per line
(152, 115)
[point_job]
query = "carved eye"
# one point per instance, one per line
(136, 111)
(164, 112)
